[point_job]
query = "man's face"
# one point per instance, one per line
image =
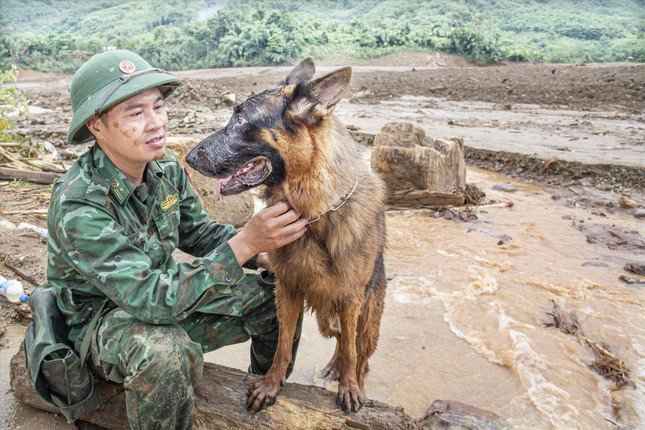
(133, 132)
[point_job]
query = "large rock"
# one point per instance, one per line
(235, 210)
(413, 164)
(453, 415)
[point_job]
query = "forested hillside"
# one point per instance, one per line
(58, 35)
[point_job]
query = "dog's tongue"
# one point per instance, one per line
(218, 189)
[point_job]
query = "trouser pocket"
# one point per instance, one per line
(68, 382)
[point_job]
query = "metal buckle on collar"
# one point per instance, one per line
(120, 81)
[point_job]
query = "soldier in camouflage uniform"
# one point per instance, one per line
(114, 221)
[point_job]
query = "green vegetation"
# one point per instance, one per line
(59, 35)
(12, 103)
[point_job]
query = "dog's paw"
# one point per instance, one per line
(350, 397)
(262, 394)
(331, 371)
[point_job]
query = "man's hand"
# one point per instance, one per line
(271, 228)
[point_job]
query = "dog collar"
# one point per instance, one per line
(342, 201)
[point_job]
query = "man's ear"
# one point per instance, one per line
(303, 72)
(94, 125)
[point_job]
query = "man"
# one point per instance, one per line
(114, 221)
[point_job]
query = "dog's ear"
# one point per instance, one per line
(303, 72)
(328, 90)
(316, 100)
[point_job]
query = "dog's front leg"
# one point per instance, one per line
(265, 390)
(350, 397)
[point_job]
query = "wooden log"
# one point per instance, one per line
(37, 177)
(425, 198)
(219, 403)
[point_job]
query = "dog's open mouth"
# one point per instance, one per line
(251, 174)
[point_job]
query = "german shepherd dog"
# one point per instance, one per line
(287, 140)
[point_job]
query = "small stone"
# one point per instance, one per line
(639, 213)
(626, 203)
(504, 239)
(49, 147)
(505, 187)
(632, 281)
(594, 264)
(636, 268)
(228, 99)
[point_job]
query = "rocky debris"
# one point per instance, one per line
(454, 415)
(235, 210)
(558, 172)
(636, 268)
(192, 118)
(416, 168)
(505, 187)
(366, 139)
(457, 215)
(612, 237)
(626, 203)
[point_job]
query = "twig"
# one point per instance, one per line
(20, 273)
(28, 212)
(45, 167)
(27, 202)
(606, 364)
(6, 155)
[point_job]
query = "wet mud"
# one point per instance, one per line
(469, 290)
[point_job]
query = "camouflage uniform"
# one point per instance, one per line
(110, 238)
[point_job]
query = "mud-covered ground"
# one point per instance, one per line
(576, 130)
(440, 84)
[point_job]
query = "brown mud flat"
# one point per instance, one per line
(564, 241)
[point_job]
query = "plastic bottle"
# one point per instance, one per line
(13, 290)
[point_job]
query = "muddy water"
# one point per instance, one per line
(464, 318)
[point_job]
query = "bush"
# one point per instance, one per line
(474, 45)
(12, 102)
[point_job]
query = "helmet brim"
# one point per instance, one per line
(78, 131)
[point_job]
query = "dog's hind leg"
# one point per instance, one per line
(328, 327)
(265, 390)
(369, 322)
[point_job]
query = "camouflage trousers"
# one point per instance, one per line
(159, 365)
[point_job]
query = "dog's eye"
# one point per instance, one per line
(240, 120)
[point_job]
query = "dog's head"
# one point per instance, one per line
(272, 133)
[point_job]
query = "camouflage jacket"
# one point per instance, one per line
(110, 238)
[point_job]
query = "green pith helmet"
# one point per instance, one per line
(106, 79)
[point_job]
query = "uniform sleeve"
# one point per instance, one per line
(100, 252)
(198, 233)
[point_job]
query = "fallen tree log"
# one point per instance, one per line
(219, 403)
(45, 178)
(425, 198)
